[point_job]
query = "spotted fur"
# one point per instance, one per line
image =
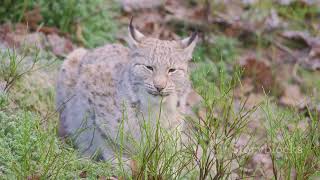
(99, 90)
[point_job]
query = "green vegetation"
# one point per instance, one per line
(292, 148)
(87, 21)
(296, 13)
(29, 148)
(13, 67)
(29, 145)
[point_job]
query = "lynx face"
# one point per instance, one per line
(160, 67)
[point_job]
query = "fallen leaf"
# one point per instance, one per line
(311, 59)
(33, 177)
(254, 100)
(49, 30)
(273, 21)
(33, 17)
(101, 178)
(83, 174)
(292, 96)
(259, 72)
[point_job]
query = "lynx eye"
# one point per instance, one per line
(172, 70)
(150, 68)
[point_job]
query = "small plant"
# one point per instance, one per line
(13, 67)
(156, 154)
(222, 49)
(91, 24)
(214, 134)
(13, 10)
(29, 149)
(292, 148)
(297, 13)
(160, 155)
(3, 100)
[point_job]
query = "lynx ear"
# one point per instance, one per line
(188, 44)
(135, 36)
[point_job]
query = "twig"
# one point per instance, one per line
(58, 109)
(295, 75)
(274, 169)
(285, 49)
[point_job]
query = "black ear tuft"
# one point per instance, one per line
(193, 37)
(131, 28)
(135, 37)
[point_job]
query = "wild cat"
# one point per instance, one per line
(100, 88)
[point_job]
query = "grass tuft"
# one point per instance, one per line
(293, 140)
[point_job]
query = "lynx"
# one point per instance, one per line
(97, 88)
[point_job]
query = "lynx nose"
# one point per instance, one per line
(160, 83)
(159, 88)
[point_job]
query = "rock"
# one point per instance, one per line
(35, 39)
(60, 46)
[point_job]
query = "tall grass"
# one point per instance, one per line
(30, 149)
(13, 67)
(205, 150)
(29, 146)
(294, 148)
